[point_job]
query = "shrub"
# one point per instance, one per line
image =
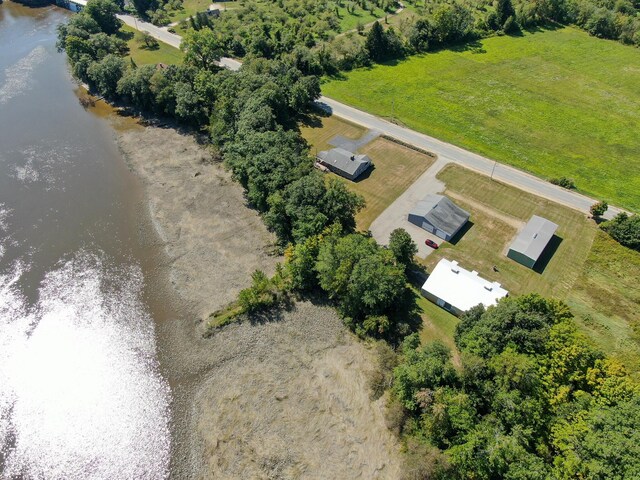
(564, 182)
(598, 209)
(624, 229)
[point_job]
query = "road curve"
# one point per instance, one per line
(445, 151)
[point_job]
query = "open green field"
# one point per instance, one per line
(555, 103)
(595, 275)
(396, 167)
(142, 56)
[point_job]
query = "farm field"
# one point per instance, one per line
(555, 103)
(142, 56)
(395, 166)
(588, 270)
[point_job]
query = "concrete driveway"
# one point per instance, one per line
(395, 215)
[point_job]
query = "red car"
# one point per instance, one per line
(430, 243)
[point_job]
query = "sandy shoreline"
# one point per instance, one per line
(282, 399)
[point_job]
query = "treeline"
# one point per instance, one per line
(251, 116)
(532, 399)
(309, 29)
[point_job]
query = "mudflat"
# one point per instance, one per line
(281, 397)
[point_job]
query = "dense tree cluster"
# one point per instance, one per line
(533, 398)
(367, 281)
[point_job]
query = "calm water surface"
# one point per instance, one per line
(81, 393)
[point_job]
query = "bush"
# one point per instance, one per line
(598, 209)
(625, 230)
(564, 182)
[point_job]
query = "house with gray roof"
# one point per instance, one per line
(439, 215)
(344, 162)
(528, 246)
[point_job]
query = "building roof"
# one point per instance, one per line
(461, 288)
(441, 212)
(533, 238)
(343, 160)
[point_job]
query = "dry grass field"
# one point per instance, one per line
(395, 166)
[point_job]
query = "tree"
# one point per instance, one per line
(376, 42)
(104, 14)
(402, 246)
(135, 84)
(598, 209)
(504, 11)
(452, 23)
(106, 73)
(521, 323)
(603, 442)
(423, 367)
(203, 48)
(625, 229)
(146, 40)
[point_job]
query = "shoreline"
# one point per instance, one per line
(238, 396)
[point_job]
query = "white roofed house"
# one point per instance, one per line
(457, 290)
(344, 163)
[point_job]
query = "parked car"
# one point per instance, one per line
(430, 243)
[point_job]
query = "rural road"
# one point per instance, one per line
(451, 153)
(445, 151)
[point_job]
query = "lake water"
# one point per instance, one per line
(81, 391)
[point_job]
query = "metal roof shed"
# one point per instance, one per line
(438, 215)
(528, 246)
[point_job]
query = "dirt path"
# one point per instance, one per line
(283, 399)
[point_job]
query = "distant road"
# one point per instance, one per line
(445, 151)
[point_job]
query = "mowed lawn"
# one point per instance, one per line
(595, 275)
(555, 103)
(143, 56)
(396, 167)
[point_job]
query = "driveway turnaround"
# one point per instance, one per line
(395, 215)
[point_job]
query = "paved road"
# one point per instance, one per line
(445, 151)
(159, 33)
(451, 153)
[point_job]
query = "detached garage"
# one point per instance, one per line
(528, 246)
(439, 215)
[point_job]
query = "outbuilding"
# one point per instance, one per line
(344, 162)
(528, 246)
(439, 215)
(457, 290)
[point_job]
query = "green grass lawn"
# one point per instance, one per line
(142, 56)
(350, 21)
(191, 7)
(555, 103)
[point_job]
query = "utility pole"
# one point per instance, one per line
(495, 162)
